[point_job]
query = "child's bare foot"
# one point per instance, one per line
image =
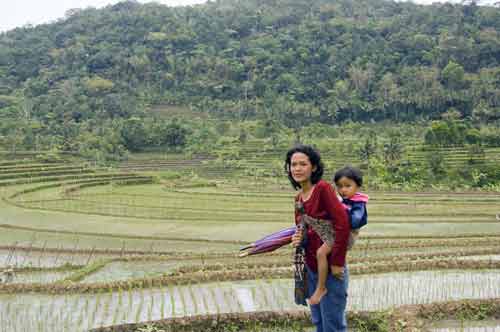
(317, 296)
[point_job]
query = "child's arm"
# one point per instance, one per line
(358, 215)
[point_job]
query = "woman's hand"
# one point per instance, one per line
(337, 272)
(297, 237)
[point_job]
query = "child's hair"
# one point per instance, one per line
(349, 172)
(314, 158)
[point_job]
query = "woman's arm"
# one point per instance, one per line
(340, 222)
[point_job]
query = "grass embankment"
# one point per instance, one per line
(202, 276)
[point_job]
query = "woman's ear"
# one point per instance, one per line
(314, 168)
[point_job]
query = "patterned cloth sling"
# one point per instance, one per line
(300, 273)
(325, 231)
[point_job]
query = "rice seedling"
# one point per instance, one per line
(93, 312)
(162, 304)
(182, 299)
(105, 312)
(214, 299)
(172, 299)
(118, 304)
(130, 298)
(203, 299)
(150, 307)
(83, 312)
(139, 306)
(193, 297)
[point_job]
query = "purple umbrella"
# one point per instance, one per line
(270, 242)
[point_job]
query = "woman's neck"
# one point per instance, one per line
(306, 188)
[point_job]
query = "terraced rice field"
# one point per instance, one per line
(255, 157)
(467, 326)
(96, 247)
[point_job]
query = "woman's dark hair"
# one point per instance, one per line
(314, 158)
(351, 173)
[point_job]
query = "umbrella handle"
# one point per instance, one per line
(302, 227)
(247, 247)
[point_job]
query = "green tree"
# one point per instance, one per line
(393, 150)
(134, 134)
(436, 166)
(453, 75)
(176, 135)
(368, 147)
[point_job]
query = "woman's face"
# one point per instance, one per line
(301, 168)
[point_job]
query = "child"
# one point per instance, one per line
(348, 181)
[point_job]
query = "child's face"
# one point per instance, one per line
(346, 187)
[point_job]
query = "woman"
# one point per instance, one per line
(319, 200)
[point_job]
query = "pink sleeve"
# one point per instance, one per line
(340, 223)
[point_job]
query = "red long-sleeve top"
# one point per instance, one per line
(324, 204)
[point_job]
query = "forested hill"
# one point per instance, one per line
(294, 60)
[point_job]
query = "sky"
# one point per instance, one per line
(17, 13)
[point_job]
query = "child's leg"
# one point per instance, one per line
(322, 259)
(352, 238)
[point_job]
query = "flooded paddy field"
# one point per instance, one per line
(80, 312)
